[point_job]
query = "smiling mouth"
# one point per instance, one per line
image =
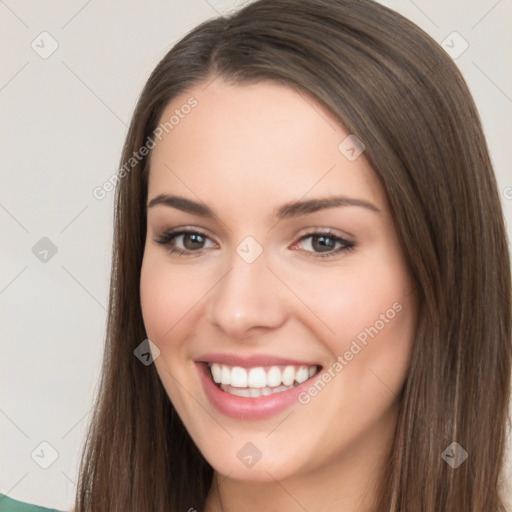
(260, 380)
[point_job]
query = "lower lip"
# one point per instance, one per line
(248, 408)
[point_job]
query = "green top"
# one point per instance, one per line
(9, 505)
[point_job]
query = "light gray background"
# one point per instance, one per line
(64, 119)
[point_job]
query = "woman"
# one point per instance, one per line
(395, 297)
(310, 296)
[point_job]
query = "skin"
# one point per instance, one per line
(245, 150)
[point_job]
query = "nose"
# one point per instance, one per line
(249, 299)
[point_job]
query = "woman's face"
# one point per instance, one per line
(271, 287)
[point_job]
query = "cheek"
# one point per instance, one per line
(375, 328)
(168, 297)
(167, 294)
(352, 300)
(370, 313)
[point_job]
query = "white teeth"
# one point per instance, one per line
(258, 380)
(288, 375)
(241, 392)
(302, 375)
(216, 373)
(225, 376)
(238, 377)
(253, 392)
(274, 377)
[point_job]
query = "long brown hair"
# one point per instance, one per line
(390, 84)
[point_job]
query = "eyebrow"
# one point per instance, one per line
(286, 211)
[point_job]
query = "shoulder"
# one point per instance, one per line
(9, 505)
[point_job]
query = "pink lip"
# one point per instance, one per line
(251, 361)
(245, 408)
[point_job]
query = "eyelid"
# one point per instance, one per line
(166, 235)
(327, 231)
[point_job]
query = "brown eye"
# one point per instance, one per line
(323, 244)
(183, 242)
(192, 241)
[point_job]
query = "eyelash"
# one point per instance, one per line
(167, 237)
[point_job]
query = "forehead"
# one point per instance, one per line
(253, 141)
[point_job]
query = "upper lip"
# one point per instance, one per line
(250, 361)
